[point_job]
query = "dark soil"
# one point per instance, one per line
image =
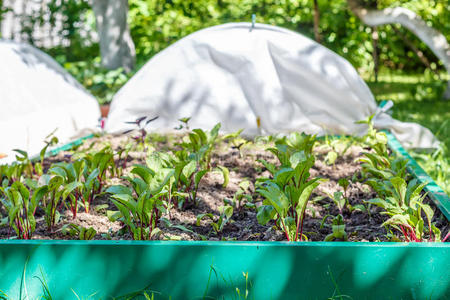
(243, 165)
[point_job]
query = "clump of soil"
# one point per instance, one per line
(361, 224)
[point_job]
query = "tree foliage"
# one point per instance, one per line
(156, 24)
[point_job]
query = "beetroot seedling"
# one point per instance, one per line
(339, 200)
(184, 124)
(404, 205)
(50, 140)
(141, 207)
(21, 207)
(122, 154)
(98, 166)
(80, 232)
(226, 212)
(287, 194)
(57, 191)
(241, 199)
(338, 228)
(140, 123)
(344, 183)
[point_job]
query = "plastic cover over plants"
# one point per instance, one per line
(39, 98)
(263, 79)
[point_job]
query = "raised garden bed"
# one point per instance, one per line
(213, 270)
(229, 206)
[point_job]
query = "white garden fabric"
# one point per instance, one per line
(236, 74)
(38, 96)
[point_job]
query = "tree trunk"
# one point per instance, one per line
(2, 11)
(316, 22)
(116, 46)
(407, 18)
(375, 52)
(416, 50)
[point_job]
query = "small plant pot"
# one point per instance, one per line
(104, 110)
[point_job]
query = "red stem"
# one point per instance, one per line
(124, 164)
(61, 205)
(91, 196)
(404, 233)
(411, 235)
(74, 211)
(301, 230)
(141, 225)
(431, 233)
(52, 214)
(21, 233)
(27, 228)
(417, 239)
(19, 227)
(446, 237)
(74, 208)
(169, 201)
(285, 230)
(53, 217)
(132, 233)
(84, 202)
(150, 227)
(296, 232)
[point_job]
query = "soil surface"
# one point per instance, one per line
(180, 224)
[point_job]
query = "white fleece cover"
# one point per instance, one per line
(38, 96)
(236, 74)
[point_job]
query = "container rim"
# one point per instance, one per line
(223, 243)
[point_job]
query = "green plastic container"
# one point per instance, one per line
(215, 270)
(194, 270)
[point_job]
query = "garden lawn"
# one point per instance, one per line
(417, 98)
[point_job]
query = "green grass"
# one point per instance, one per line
(418, 98)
